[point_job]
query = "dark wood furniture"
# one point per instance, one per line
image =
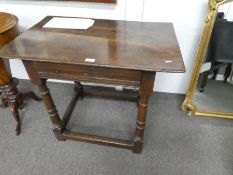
(124, 53)
(9, 29)
(219, 52)
(215, 66)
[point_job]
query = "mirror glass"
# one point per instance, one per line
(214, 90)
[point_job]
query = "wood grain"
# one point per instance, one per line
(125, 53)
(115, 44)
(8, 31)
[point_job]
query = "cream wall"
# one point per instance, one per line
(187, 17)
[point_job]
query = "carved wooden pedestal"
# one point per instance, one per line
(12, 97)
(8, 86)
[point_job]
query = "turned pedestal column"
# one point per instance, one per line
(10, 95)
(4, 80)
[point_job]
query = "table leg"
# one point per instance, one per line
(204, 81)
(57, 124)
(146, 89)
(227, 72)
(79, 88)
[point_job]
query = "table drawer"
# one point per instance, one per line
(88, 73)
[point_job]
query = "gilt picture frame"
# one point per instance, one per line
(188, 105)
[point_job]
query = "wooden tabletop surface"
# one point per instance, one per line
(120, 44)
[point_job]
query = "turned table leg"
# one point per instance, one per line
(146, 88)
(57, 124)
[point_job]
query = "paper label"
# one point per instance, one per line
(90, 60)
(69, 23)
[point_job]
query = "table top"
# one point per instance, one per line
(7, 21)
(118, 44)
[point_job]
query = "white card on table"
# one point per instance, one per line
(69, 23)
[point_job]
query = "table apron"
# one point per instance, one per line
(88, 73)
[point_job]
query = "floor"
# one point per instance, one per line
(174, 144)
(217, 96)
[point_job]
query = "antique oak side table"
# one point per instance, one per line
(9, 29)
(111, 52)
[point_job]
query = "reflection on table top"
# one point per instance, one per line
(120, 44)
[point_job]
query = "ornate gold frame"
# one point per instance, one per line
(204, 41)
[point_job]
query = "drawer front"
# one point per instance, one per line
(89, 73)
